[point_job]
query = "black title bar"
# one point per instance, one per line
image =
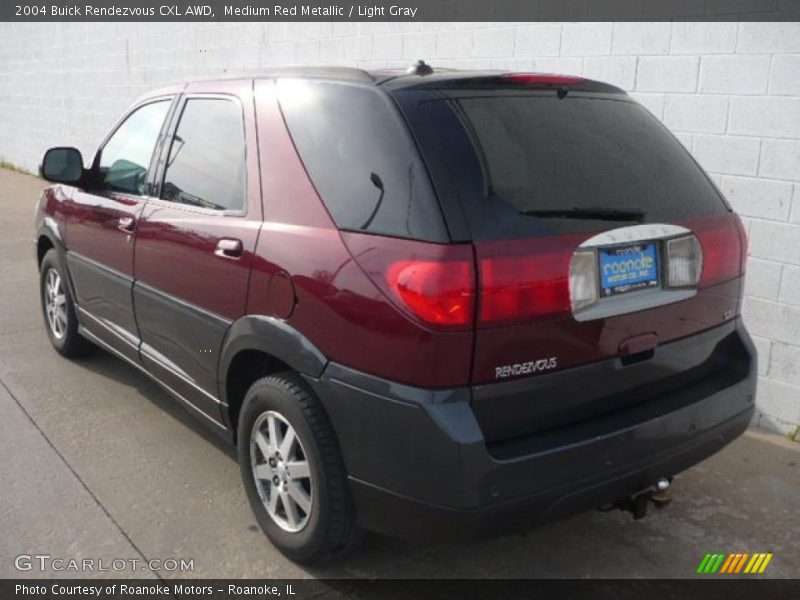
(396, 589)
(400, 10)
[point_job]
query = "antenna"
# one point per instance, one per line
(420, 68)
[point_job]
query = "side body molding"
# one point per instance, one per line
(271, 336)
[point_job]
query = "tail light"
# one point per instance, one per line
(433, 283)
(583, 279)
(542, 79)
(524, 280)
(553, 277)
(724, 247)
(440, 293)
(535, 279)
(684, 261)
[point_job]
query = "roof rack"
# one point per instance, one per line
(343, 73)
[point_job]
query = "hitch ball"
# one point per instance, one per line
(662, 485)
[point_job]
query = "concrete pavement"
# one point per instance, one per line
(100, 463)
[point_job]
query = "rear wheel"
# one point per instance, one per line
(59, 310)
(280, 468)
(293, 471)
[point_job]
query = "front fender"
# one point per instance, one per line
(52, 229)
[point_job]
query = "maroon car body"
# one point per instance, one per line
(491, 399)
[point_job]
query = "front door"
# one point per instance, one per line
(101, 224)
(195, 242)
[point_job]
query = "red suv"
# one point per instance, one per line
(422, 303)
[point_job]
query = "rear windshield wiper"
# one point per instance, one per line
(594, 212)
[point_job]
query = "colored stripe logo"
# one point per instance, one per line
(738, 562)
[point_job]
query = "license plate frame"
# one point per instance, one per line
(629, 268)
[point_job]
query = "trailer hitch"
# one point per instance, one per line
(637, 504)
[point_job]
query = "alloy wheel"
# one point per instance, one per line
(55, 304)
(281, 471)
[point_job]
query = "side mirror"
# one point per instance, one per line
(62, 165)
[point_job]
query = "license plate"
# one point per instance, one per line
(628, 268)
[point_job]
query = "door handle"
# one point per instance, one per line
(228, 248)
(126, 224)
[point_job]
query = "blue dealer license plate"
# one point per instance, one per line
(628, 268)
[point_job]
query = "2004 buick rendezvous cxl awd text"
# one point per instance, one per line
(422, 303)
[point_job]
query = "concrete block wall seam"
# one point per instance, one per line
(730, 92)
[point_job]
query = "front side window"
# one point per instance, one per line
(125, 158)
(206, 164)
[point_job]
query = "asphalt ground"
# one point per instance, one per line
(98, 462)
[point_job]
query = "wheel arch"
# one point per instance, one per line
(43, 245)
(49, 237)
(256, 346)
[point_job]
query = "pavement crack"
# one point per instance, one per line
(79, 479)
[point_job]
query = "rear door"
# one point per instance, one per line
(101, 224)
(195, 241)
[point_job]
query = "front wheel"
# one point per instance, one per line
(59, 310)
(293, 471)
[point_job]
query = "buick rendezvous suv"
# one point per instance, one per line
(422, 303)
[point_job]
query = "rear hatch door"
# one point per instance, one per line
(596, 236)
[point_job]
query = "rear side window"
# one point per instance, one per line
(125, 158)
(361, 158)
(206, 165)
(501, 157)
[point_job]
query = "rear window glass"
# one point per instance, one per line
(502, 157)
(362, 159)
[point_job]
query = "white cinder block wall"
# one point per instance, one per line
(730, 91)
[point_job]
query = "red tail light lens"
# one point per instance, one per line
(432, 283)
(724, 246)
(440, 293)
(525, 280)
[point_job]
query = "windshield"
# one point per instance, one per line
(521, 164)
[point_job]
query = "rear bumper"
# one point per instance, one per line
(401, 516)
(420, 466)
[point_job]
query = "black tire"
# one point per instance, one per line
(70, 343)
(330, 528)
